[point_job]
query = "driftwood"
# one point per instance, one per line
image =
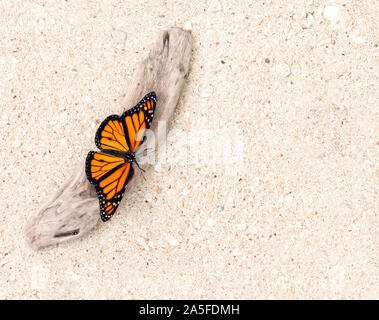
(74, 209)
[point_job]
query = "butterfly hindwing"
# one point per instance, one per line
(110, 175)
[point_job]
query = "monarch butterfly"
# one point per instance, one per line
(118, 139)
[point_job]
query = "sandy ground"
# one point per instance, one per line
(284, 207)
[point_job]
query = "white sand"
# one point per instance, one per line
(296, 218)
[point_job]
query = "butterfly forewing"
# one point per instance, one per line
(138, 119)
(111, 135)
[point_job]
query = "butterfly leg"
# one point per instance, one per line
(138, 165)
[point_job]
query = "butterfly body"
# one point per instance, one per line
(127, 156)
(118, 139)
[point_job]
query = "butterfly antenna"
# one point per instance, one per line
(138, 166)
(146, 152)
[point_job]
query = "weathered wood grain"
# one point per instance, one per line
(74, 209)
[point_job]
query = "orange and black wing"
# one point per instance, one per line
(111, 135)
(110, 175)
(138, 119)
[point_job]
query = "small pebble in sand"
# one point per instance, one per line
(142, 242)
(16, 143)
(210, 222)
(119, 37)
(3, 262)
(288, 198)
(214, 5)
(309, 20)
(158, 167)
(63, 117)
(335, 14)
(188, 26)
(172, 241)
(241, 226)
(283, 69)
(148, 197)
